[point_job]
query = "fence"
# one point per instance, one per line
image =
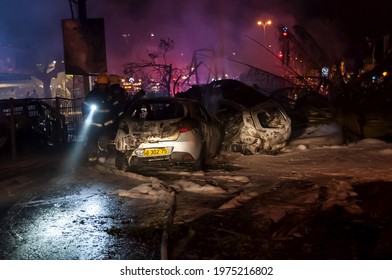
(71, 110)
(29, 125)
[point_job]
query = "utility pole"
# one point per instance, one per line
(84, 45)
(82, 10)
(82, 15)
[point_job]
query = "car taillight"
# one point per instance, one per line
(184, 129)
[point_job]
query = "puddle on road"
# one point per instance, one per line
(71, 228)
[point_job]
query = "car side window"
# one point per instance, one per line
(270, 118)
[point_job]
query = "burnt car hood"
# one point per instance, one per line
(150, 131)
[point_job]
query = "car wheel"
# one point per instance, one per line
(121, 162)
(200, 164)
(92, 153)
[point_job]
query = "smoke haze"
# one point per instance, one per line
(223, 26)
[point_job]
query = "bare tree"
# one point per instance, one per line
(45, 72)
(156, 74)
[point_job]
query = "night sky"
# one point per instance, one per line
(338, 26)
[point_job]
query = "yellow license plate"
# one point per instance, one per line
(155, 152)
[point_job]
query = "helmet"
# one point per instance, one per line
(114, 79)
(102, 79)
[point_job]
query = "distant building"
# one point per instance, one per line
(15, 77)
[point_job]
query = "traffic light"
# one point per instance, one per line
(284, 31)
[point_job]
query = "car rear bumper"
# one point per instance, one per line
(175, 158)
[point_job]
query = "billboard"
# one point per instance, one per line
(84, 46)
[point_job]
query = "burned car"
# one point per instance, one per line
(166, 131)
(252, 122)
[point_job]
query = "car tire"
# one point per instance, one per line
(92, 153)
(200, 163)
(121, 162)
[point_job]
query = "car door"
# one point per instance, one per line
(271, 120)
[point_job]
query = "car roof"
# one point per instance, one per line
(166, 99)
(238, 92)
(227, 89)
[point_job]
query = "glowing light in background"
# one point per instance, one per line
(264, 25)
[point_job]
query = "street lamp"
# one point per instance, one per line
(264, 24)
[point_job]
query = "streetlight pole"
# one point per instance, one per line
(264, 24)
(82, 16)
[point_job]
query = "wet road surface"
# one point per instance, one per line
(70, 216)
(97, 212)
(241, 207)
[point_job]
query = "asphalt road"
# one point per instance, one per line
(319, 203)
(49, 214)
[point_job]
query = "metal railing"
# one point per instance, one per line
(30, 125)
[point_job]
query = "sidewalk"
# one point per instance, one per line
(30, 164)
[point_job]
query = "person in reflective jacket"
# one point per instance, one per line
(119, 94)
(97, 110)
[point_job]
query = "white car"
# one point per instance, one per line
(166, 131)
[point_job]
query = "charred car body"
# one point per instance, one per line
(252, 122)
(165, 130)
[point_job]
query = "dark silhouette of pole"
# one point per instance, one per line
(82, 15)
(82, 10)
